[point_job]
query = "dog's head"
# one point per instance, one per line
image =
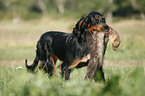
(94, 21)
(97, 22)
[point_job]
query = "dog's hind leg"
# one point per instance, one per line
(102, 74)
(49, 66)
(46, 65)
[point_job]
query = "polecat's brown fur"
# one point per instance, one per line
(100, 40)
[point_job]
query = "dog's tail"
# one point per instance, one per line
(27, 66)
(31, 67)
(36, 60)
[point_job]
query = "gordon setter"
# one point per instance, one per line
(73, 49)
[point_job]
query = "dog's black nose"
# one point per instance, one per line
(105, 27)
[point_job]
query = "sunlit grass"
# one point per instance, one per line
(120, 81)
(124, 68)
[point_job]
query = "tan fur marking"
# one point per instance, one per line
(53, 58)
(98, 28)
(77, 61)
(96, 17)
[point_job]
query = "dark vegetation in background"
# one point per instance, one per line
(23, 9)
(125, 9)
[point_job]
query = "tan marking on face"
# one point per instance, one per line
(98, 28)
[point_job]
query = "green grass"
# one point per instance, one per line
(120, 82)
(124, 68)
(17, 53)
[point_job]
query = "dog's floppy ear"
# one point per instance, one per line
(84, 24)
(80, 29)
(77, 28)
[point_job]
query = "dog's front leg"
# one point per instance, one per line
(99, 74)
(62, 70)
(65, 71)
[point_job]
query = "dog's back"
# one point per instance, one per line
(53, 41)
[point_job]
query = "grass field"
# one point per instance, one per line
(124, 68)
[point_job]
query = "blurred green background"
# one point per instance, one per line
(23, 21)
(25, 10)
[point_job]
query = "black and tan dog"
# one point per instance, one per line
(73, 49)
